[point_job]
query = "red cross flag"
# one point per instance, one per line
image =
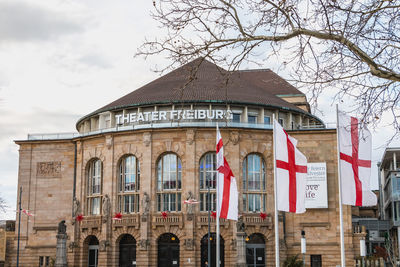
(355, 162)
(291, 172)
(227, 192)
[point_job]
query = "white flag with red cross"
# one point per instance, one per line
(355, 147)
(227, 193)
(291, 172)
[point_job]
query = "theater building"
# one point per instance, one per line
(145, 153)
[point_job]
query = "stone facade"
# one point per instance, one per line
(46, 173)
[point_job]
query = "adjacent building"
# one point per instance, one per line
(142, 155)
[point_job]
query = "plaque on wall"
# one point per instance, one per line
(49, 169)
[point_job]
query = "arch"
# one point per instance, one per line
(127, 251)
(213, 243)
(168, 246)
(91, 250)
(255, 250)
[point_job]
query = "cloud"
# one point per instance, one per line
(23, 22)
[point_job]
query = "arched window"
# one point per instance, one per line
(129, 185)
(169, 177)
(94, 187)
(254, 187)
(208, 174)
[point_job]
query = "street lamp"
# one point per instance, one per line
(363, 251)
(303, 246)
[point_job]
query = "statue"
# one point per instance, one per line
(240, 224)
(146, 203)
(189, 206)
(76, 207)
(62, 228)
(106, 207)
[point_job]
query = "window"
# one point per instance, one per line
(235, 117)
(280, 120)
(208, 179)
(252, 119)
(254, 187)
(129, 185)
(169, 177)
(44, 261)
(267, 120)
(94, 187)
(316, 260)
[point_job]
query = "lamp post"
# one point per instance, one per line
(303, 246)
(19, 223)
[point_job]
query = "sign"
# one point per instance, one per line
(316, 191)
(190, 114)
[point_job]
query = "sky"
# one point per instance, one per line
(62, 59)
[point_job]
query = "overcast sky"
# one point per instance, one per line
(62, 59)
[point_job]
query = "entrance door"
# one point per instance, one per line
(255, 251)
(127, 251)
(168, 250)
(93, 255)
(213, 250)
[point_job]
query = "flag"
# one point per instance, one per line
(227, 192)
(291, 172)
(27, 213)
(355, 162)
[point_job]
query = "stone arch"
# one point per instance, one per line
(118, 233)
(168, 249)
(180, 233)
(87, 241)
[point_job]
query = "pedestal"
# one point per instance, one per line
(61, 252)
(241, 249)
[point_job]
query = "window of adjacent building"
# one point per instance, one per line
(267, 120)
(129, 185)
(251, 119)
(235, 117)
(169, 177)
(316, 260)
(254, 187)
(208, 176)
(94, 187)
(280, 120)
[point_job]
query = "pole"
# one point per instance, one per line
(342, 253)
(276, 201)
(303, 246)
(218, 207)
(19, 223)
(209, 219)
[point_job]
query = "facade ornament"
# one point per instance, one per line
(190, 134)
(240, 225)
(103, 245)
(146, 204)
(189, 244)
(109, 141)
(106, 207)
(189, 206)
(234, 137)
(147, 138)
(144, 244)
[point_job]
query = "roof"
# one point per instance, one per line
(201, 81)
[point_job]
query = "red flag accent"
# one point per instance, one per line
(355, 161)
(164, 214)
(28, 213)
(292, 168)
(79, 218)
(214, 214)
(117, 216)
(263, 216)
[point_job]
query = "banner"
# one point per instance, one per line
(316, 190)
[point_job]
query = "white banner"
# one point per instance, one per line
(316, 190)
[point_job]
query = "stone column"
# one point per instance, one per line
(61, 252)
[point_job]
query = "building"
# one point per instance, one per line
(389, 184)
(7, 235)
(145, 153)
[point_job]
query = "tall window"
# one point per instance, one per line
(254, 187)
(129, 185)
(208, 178)
(169, 177)
(94, 187)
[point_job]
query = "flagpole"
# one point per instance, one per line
(276, 200)
(217, 218)
(342, 252)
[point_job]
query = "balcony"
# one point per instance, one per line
(202, 220)
(255, 220)
(91, 222)
(172, 219)
(128, 220)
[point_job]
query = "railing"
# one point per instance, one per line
(128, 220)
(370, 262)
(202, 220)
(91, 222)
(170, 220)
(62, 136)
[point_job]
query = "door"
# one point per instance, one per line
(93, 255)
(213, 250)
(255, 255)
(127, 251)
(168, 251)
